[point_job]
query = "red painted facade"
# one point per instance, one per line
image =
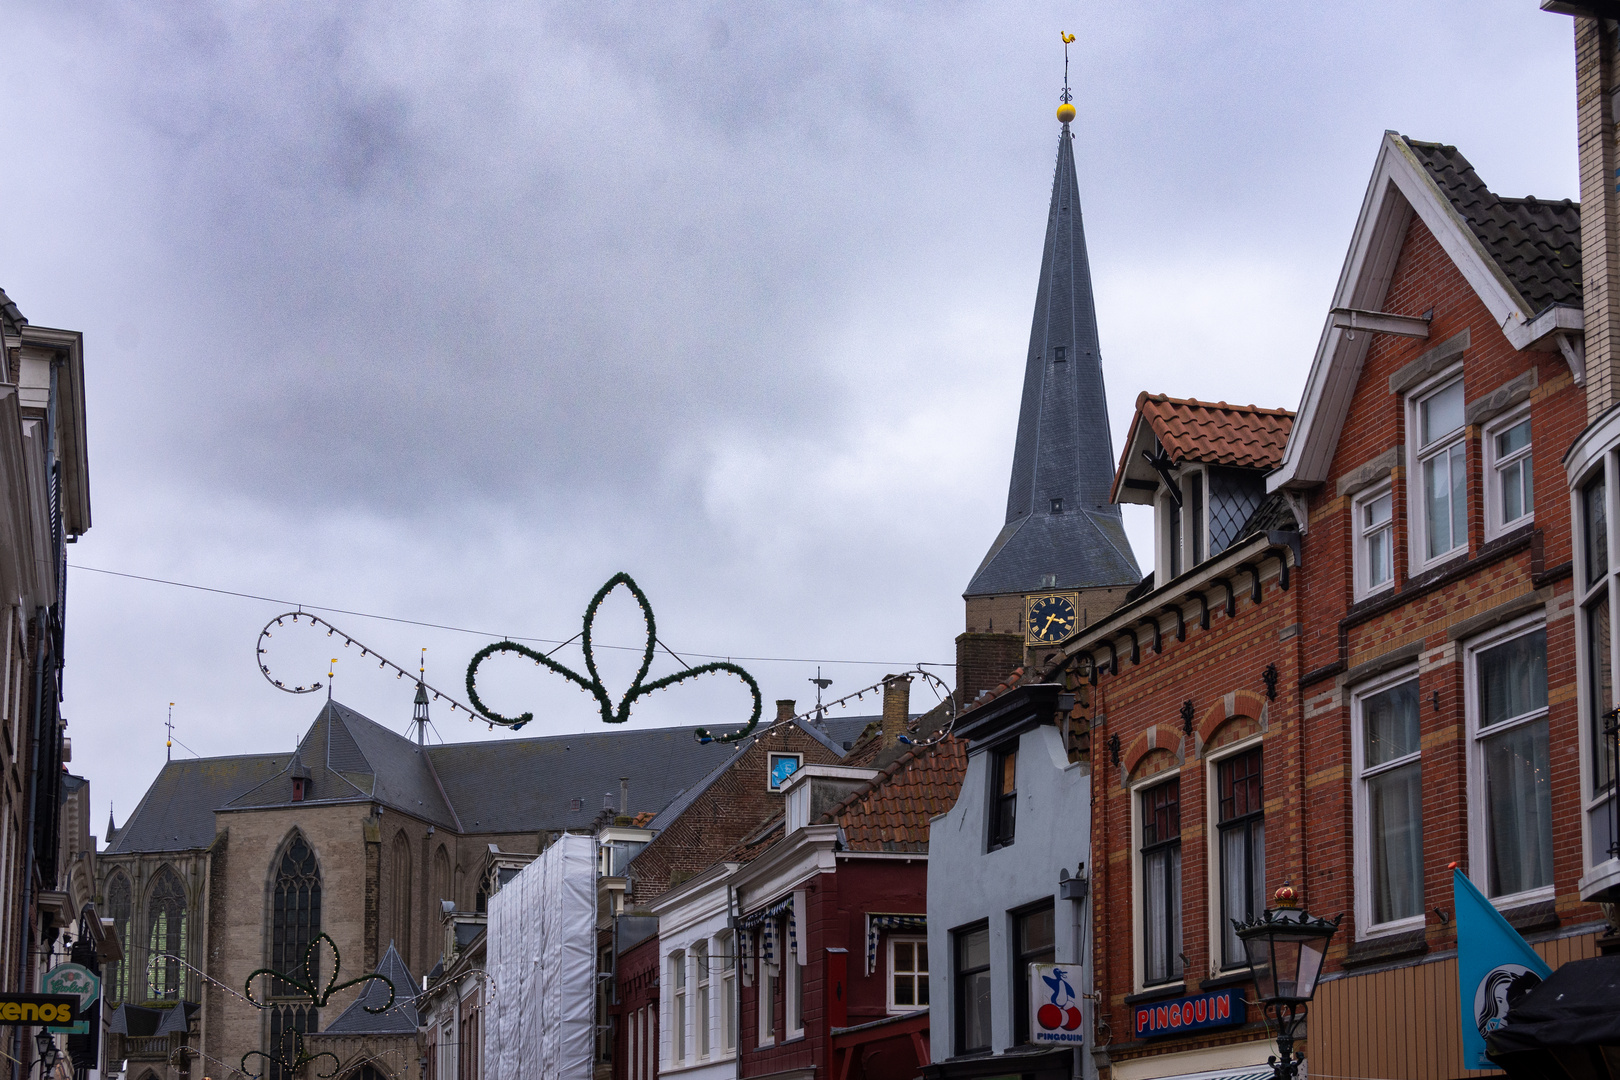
(836, 906)
(635, 1037)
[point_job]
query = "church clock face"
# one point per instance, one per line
(1051, 618)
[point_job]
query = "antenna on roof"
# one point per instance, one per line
(168, 743)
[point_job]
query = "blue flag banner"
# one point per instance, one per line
(1495, 968)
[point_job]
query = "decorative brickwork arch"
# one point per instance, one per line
(1156, 760)
(1237, 703)
(1157, 737)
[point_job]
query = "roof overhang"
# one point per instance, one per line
(1135, 481)
(1400, 187)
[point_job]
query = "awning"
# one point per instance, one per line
(877, 924)
(1569, 1026)
(765, 918)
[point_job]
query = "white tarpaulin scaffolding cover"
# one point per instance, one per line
(542, 957)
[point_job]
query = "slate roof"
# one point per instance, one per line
(1063, 450)
(892, 811)
(510, 785)
(354, 759)
(177, 811)
(399, 1019)
(1536, 243)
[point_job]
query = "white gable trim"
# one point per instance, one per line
(1400, 187)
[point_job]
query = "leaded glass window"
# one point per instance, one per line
(166, 938)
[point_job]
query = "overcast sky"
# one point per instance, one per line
(450, 311)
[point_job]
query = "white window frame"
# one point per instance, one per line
(1167, 541)
(1138, 895)
(1360, 560)
(1478, 851)
(765, 999)
(792, 991)
(1494, 525)
(918, 977)
(727, 944)
(1362, 827)
(1212, 855)
(1597, 869)
(1416, 502)
(678, 995)
(703, 1013)
(631, 1046)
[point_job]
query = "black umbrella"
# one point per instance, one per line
(1568, 1027)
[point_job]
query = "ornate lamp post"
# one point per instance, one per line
(49, 1052)
(1285, 947)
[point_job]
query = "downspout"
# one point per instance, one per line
(28, 952)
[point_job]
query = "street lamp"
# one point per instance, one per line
(49, 1052)
(1285, 947)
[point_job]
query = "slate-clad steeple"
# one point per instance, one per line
(1061, 531)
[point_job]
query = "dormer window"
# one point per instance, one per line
(1183, 527)
(1057, 506)
(1059, 354)
(300, 786)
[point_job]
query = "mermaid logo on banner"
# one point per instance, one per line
(1495, 968)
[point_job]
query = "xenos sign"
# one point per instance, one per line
(16, 1009)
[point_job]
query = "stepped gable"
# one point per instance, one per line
(1536, 243)
(177, 811)
(399, 1019)
(1060, 521)
(892, 811)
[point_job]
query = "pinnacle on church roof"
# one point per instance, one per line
(1061, 530)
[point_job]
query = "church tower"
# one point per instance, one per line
(1061, 559)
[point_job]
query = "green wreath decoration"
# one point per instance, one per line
(290, 1066)
(318, 997)
(639, 687)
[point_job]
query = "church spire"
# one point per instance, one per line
(1061, 531)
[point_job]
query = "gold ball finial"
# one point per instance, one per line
(1065, 112)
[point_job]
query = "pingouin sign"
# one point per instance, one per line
(1054, 1004)
(1220, 1009)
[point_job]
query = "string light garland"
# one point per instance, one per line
(934, 683)
(291, 1066)
(318, 997)
(332, 631)
(639, 687)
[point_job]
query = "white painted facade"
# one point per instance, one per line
(693, 925)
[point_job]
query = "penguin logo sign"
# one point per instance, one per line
(1054, 1005)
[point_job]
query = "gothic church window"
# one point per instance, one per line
(441, 876)
(295, 920)
(166, 937)
(121, 909)
(295, 916)
(402, 895)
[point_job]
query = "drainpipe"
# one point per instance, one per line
(1077, 891)
(29, 945)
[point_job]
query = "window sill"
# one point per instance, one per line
(1221, 982)
(1156, 993)
(1527, 918)
(1388, 947)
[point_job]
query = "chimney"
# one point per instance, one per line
(624, 795)
(896, 708)
(784, 710)
(607, 800)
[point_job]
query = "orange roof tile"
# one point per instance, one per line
(892, 811)
(1216, 433)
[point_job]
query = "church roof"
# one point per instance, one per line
(507, 785)
(177, 812)
(351, 758)
(399, 1019)
(1060, 525)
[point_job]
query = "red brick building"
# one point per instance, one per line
(1356, 663)
(832, 923)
